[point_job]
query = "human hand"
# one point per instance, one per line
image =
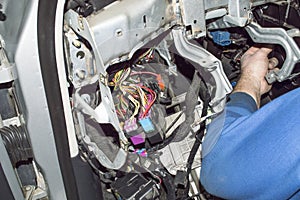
(254, 66)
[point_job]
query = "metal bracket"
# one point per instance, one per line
(7, 70)
(207, 61)
(193, 14)
(81, 27)
(281, 37)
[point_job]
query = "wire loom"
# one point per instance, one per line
(136, 90)
(17, 144)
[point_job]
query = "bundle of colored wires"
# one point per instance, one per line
(153, 97)
(120, 76)
(131, 87)
(121, 106)
(130, 92)
(147, 56)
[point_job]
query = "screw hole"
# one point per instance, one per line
(119, 32)
(80, 54)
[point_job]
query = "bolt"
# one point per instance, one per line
(27, 188)
(76, 44)
(80, 73)
(119, 33)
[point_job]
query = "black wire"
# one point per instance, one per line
(205, 96)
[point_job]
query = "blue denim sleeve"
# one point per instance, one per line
(254, 154)
(239, 106)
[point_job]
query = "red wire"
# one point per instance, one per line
(149, 106)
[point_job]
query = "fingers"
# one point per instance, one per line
(251, 50)
(264, 51)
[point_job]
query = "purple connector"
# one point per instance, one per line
(138, 139)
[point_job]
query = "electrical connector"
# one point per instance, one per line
(221, 37)
(130, 125)
(138, 139)
(160, 82)
(135, 186)
(181, 179)
(142, 152)
(147, 124)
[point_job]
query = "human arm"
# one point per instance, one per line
(245, 98)
(242, 145)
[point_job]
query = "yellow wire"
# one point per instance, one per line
(133, 100)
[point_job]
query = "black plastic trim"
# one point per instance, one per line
(88, 183)
(46, 48)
